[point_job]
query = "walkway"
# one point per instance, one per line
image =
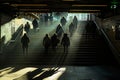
(84, 50)
(88, 58)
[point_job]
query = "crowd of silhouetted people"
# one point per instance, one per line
(59, 37)
(53, 42)
(35, 26)
(48, 42)
(72, 26)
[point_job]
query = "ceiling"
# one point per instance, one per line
(56, 5)
(55, 1)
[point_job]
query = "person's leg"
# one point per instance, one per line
(26, 50)
(52, 46)
(64, 48)
(23, 49)
(46, 48)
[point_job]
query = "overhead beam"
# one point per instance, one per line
(28, 5)
(59, 10)
(82, 10)
(92, 5)
(64, 6)
(56, 1)
(73, 10)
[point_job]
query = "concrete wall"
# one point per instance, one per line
(10, 27)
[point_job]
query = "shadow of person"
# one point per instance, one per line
(34, 73)
(62, 59)
(45, 74)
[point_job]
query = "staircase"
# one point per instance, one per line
(87, 48)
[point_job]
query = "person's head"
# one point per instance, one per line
(58, 24)
(71, 22)
(65, 34)
(25, 34)
(75, 16)
(55, 34)
(46, 35)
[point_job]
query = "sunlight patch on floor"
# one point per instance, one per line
(57, 74)
(17, 74)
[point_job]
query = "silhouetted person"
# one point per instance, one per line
(25, 41)
(51, 17)
(59, 30)
(90, 29)
(54, 41)
(87, 28)
(46, 17)
(35, 24)
(46, 42)
(93, 29)
(117, 32)
(2, 43)
(75, 22)
(27, 27)
(65, 42)
(63, 21)
(71, 29)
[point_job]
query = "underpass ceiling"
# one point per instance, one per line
(58, 1)
(57, 5)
